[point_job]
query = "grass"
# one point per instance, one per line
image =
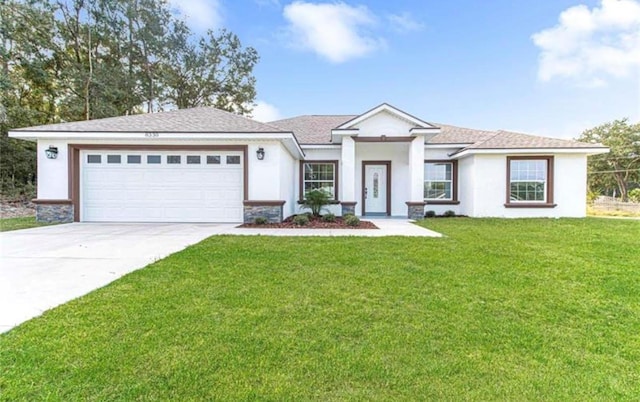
(26, 222)
(497, 310)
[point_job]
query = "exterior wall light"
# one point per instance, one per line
(260, 153)
(52, 152)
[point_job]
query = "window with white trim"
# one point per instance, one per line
(438, 181)
(319, 175)
(528, 180)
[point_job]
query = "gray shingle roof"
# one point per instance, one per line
(459, 135)
(509, 140)
(316, 129)
(201, 119)
(312, 129)
(308, 129)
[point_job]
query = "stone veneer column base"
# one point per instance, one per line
(54, 211)
(415, 210)
(348, 207)
(270, 209)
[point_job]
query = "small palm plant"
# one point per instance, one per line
(316, 200)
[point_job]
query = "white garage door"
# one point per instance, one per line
(167, 186)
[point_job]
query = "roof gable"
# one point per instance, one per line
(385, 107)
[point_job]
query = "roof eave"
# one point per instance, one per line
(287, 137)
(503, 151)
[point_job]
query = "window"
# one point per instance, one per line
(316, 175)
(529, 181)
(213, 159)
(233, 159)
(114, 158)
(134, 158)
(193, 159)
(173, 159)
(440, 181)
(94, 158)
(154, 159)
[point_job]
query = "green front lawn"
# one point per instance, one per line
(20, 223)
(499, 309)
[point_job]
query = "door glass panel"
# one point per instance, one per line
(113, 158)
(94, 158)
(173, 159)
(233, 160)
(376, 185)
(134, 158)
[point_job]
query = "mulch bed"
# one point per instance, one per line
(314, 223)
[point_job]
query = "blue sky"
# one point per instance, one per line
(547, 67)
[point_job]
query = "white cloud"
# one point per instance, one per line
(404, 23)
(590, 46)
(265, 112)
(200, 15)
(335, 31)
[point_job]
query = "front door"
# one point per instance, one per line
(375, 191)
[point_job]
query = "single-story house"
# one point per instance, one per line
(208, 165)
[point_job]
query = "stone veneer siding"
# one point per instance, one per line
(415, 210)
(273, 213)
(54, 213)
(348, 208)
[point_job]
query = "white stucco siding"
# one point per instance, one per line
(438, 153)
(384, 123)
(398, 154)
(288, 178)
(322, 154)
(570, 185)
(489, 188)
(466, 179)
(264, 176)
(53, 176)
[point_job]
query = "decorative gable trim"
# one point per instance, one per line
(385, 107)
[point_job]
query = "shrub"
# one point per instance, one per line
(351, 220)
(316, 200)
(449, 214)
(592, 196)
(260, 220)
(430, 214)
(329, 217)
(301, 220)
(634, 195)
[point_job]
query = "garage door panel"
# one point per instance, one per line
(161, 192)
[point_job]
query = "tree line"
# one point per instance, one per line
(618, 172)
(71, 60)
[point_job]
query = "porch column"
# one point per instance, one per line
(416, 178)
(348, 182)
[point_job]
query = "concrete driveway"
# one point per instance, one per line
(44, 267)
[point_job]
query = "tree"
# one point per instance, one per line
(621, 166)
(217, 72)
(69, 60)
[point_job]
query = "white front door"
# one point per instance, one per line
(375, 189)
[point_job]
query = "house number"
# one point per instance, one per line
(151, 135)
